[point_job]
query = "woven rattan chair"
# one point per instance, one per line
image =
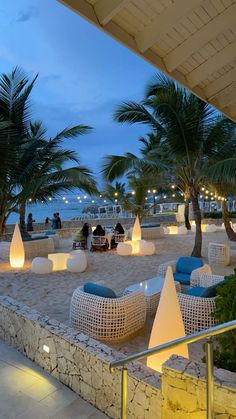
(197, 311)
(108, 319)
(218, 254)
(99, 242)
(195, 273)
(119, 238)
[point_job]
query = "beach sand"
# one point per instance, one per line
(51, 294)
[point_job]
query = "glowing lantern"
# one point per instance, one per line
(17, 251)
(136, 232)
(168, 324)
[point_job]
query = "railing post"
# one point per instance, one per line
(124, 388)
(210, 380)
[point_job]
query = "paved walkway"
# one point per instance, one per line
(28, 392)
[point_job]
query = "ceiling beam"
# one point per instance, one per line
(218, 85)
(220, 59)
(227, 99)
(163, 22)
(210, 31)
(107, 9)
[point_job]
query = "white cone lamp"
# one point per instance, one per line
(168, 324)
(17, 251)
(136, 237)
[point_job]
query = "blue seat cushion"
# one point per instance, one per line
(211, 291)
(149, 225)
(182, 278)
(49, 233)
(99, 290)
(195, 291)
(187, 264)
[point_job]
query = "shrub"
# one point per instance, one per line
(225, 351)
(217, 215)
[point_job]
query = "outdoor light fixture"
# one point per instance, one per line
(78, 197)
(64, 198)
(46, 348)
(173, 186)
(66, 202)
(104, 201)
(168, 324)
(85, 196)
(30, 200)
(149, 191)
(92, 201)
(154, 190)
(203, 189)
(133, 193)
(116, 193)
(17, 251)
(49, 198)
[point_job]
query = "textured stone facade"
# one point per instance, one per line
(79, 362)
(82, 364)
(184, 391)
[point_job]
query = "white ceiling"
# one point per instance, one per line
(192, 41)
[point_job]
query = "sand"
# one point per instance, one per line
(50, 294)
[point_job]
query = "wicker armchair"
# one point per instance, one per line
(196, 273)
(205, 280)
(108, 319)
(99, 242)
(197, 311)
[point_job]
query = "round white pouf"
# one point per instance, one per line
(210, 228)
(77, 262)
(124, 249)
(166, 230)
(147, 248)
(41, 265)
(182, 230)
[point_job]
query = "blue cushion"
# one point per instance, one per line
(149, 225)
(187, 264)
(49, 233)
(96, 289)
(195, 291)
(182, 278)
(211, 291)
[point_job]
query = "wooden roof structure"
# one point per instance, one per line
(191, 41)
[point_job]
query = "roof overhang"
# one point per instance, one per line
(191, 41)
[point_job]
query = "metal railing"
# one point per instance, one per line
(204, 334)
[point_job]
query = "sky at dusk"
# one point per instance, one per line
(83, 74)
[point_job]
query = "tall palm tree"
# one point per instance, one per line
(31, 166)
(191, 137)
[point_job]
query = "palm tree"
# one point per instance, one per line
(44, 174)
(115, 193)
(31, 166)
(191, 136)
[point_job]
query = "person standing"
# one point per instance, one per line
(54, 221)
(59, 226)
(30, 222)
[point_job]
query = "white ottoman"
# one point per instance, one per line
(77, 261)
(124, 249)
(218, 254)
(59, 260)
(146, 248)
(182, 230)
(210, 228)
(41, 265)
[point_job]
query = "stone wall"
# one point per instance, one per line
(184, 391)
(82, 364)
(79, 362)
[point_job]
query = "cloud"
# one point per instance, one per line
(27, 14)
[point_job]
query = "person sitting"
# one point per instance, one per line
(99, 231)
(117, 230)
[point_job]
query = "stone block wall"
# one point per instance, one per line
(79, 362)
(184, 391)
(82, 364)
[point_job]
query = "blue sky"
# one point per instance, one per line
(83, 74)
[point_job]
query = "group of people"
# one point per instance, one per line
(85, 234)
(55, 221)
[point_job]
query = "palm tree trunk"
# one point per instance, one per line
(186, 215)
(197, 250)
(23, 231)
(225, 215)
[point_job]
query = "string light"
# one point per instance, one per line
(173, 186)
(154, 190)
(78, 197)
(133, 192)
(49, 198)
(116, 193)
(149, 191)
(203, 189)
(66, 202)
(145, 198)
(85, 196)
(92, 201)
(173, 195)
(64, 198)
(30, 199)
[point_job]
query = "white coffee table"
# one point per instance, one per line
(152, 291)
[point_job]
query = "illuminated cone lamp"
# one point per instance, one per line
(17, 251)
(168, 324)
(136, 237)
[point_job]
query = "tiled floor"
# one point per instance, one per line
(28, 392)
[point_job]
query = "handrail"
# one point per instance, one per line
(208, 334)
(212, 331)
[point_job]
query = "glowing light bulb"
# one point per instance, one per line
(64, 198)
(78, 197)
(85, 196)
(30, 199)
(49, 198)
(133, 193)
(173, 186)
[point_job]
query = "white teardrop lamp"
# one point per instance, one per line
(168, 324)
(136, 237)
(17, 251)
